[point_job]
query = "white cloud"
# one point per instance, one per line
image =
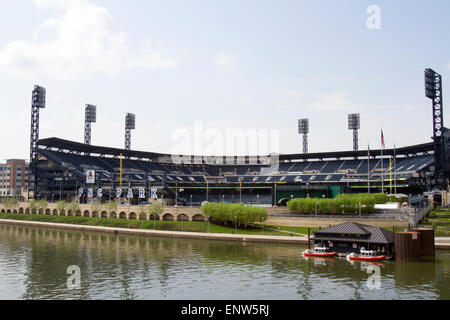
(333, 101)
(245, 100)
(78, 41)
(225, 62)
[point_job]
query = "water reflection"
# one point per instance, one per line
(33, 264)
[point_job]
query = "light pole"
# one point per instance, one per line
(257, 199)
(354, 124)
(176, 195)
(262, 225)
(293, 226)
(303, 129)
(240, 190)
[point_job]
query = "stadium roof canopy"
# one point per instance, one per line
(424, 148)
(77, 147)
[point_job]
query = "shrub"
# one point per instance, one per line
(73, 207)
(9, 203)
(61, 205)
(224, 213)
(111, 206)
(156, 208)
(33, 206)
(342, 204)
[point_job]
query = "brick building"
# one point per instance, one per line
(14, 176)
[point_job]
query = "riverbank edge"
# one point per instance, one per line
(177, 234)
(164, 234)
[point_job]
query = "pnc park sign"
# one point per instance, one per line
(119, 193)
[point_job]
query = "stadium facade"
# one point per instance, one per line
(71, 170)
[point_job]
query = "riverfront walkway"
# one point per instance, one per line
(441, 243)
(166, 234)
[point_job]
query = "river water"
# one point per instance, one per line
(34, 264)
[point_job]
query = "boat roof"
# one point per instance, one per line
(353, 231)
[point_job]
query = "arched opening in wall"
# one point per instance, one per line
(15, 211)
(198, 217)
(154, 216)
(113, 215)
(168, 217)
(55, 212)
(8, 211)
(123, 215)
(95, 214)
(69, 213)
(78, 213)
(48, 212)
(21, 210)
(133, 216)
(3, 211)
(86, 214)
(182, 217)
(27, 211)
(104, 214)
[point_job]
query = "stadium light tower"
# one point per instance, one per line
(354, 124)
(303, 128)
(130, 124)
(90, 116)
(37, 102)
(433, 90)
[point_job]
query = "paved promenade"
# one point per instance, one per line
(441, 243)
(167, 234)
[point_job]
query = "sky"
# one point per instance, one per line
(196, 72)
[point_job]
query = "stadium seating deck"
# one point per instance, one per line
(291, 172)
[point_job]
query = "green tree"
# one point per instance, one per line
(9, 203)
(33, 206)
(42, 205)
(111, 207)
(156, 208)
(61, 205)
(73, 207)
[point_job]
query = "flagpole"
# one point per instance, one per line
(395, 169)
(382, 163)
(390, 175)
(368, 167)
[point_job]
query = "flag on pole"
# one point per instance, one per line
(382, 140)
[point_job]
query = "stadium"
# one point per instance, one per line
(69, 170)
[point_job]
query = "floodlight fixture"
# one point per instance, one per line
(130, 124)
(90, 113)
(38, 97)
(354, 122)
(431, 79)
(130, 121)
(303, 126)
